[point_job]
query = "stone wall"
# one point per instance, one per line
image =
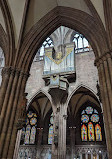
(86, 74)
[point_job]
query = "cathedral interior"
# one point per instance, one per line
(55, 79)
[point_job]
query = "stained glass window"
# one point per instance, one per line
(98, 132)
(50, 135)
(90, 125)
(91, 132)
(85, 118)
(27, 134)
(84, 133)
(83, 112)
(95, 118)
(33, 121)
(95, 111)
(30, 129)
(30, 114)
(32, 136)
(89, 110)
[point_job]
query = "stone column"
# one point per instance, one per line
(39, 146)
(6, 110)
(20, 95)
(62, 132)
(59, 127)
(104, 70)
(55, 132)
(72, 138)
(5, 79)
(7, 89)
(8, 113)
(16, 151)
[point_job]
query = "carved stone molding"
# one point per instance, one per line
(7, 71)
(103, 58)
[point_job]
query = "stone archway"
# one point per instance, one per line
(77, 100)
(17, 71)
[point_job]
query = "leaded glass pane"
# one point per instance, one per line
(94, 118)
(50, 135)
(51, 120)
(27, 121)
(32, 136)
(27, 134)
(83, 112)
(98, 132)
(35, 115)
(33, 121)
(85, 118)
(89, 110)
(84, 133)
(30, 114)
(91, 132)
(23, 134)
(95, 111)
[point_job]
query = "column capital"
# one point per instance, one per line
(6, 71)
(104, 57)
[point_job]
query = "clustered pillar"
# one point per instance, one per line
(59, 126)
(12, 91)
(104, 66)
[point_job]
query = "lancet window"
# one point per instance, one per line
(90, 125)
(50, 134)
(29, 131)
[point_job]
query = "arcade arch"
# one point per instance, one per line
(19, 66)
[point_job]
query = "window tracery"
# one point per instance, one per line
(81, 43)
(90, 125)
(47, 43)
(29, 131)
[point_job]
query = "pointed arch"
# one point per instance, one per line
(27, 134)
(33, 134)
(81, 95)
(10, 32)
(98, 132)
(36, 94)
(84, 133)
(65, 16)
(91, 132)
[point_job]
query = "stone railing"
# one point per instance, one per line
(34, 152)
(44, 152)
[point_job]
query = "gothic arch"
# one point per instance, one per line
(65, 16)
(79, 87)
(37, 93)
(41, 108)
(83, 95)
(10, 42)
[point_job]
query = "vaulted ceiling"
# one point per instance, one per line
(22, 20)
(36, 9)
